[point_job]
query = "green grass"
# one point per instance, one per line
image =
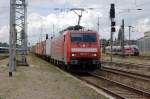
(145, 54)
(75, 97)
(129, 59)
(3, 55)
(40, 62)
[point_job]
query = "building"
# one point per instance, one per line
(144, 43)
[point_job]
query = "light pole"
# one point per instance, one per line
(130, 27)
(129, 43)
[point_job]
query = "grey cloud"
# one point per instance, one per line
(131, 17)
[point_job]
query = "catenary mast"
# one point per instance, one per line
(18, 34)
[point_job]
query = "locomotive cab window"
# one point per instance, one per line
(85, 37)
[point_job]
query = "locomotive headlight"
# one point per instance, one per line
(73, 54)
(94, 54)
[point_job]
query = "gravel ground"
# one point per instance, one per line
(42, 81)
(3, 56)
(136, 83)
(128, 59)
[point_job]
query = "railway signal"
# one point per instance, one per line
(113, 24)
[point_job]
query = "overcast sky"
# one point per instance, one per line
(42, 16)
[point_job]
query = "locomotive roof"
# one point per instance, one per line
(84, 31)
(77, 29)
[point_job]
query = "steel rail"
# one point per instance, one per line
(102, 88)
(138, 91)
(127, 73)
(123, 63)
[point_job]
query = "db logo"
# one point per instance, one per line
(83, 45)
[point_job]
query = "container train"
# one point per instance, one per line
(75, 49)
(128, 50)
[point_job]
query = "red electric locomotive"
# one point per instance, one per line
(78, 49)
(75, 49)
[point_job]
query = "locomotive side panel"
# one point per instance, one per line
(98, 46)
(67, 48)
(57, 48)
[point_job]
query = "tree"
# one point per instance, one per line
(104, 43)
(4, 44)
(120, 36)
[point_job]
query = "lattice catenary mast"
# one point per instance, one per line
(18, 34)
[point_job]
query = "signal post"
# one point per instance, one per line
(113, 24)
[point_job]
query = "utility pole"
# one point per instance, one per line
(18, 34)
(130, 35)
(53, 33)
(98, 24)
(122, 43)
(129, 43)
(113, 29)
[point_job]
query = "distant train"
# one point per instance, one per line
(128, 50)
(74, 49)
(4, 49)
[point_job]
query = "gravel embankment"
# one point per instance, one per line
(127, 59)
(3, 55)
(42, 81)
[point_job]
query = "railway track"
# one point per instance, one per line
(127, 73)
(141, 69)
(120, 90)
(139, 81)
(116, 89)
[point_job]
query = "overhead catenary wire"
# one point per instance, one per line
(142, 4)
(51, 8)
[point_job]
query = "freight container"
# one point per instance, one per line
(48, 47)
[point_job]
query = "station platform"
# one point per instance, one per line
(41, 80)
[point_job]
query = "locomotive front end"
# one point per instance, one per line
(85, 50)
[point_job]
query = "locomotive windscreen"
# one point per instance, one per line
(83, 37)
